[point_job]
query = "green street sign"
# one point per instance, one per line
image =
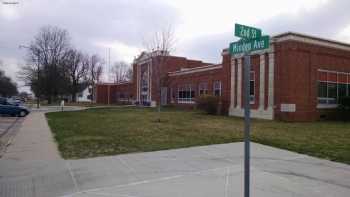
(247, 32)
(243, 46)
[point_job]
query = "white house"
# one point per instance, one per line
(85, 95)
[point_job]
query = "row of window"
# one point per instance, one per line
(332, 86)
(187, 93)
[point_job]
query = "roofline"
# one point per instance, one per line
(110, 83)
(195, 70)
(137, 60)
(314, 39)
(311, 37)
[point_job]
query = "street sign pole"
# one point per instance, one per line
(251, 40)
(247, 125)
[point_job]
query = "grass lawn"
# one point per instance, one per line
(97, 132)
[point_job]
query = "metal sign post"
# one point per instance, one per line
(246, 124)
(251, 40)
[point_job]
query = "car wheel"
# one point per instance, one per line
(22, 113)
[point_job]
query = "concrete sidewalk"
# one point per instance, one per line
(34, 141)
(210, 171)
(200, 171)
(33, 167)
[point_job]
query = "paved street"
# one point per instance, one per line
(33, 167)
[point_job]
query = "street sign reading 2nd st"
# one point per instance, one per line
(247, 32)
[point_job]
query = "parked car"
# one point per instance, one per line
(12, 109)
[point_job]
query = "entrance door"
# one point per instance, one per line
(164, 96)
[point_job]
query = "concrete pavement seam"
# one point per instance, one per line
(72, 176)
(154, 180)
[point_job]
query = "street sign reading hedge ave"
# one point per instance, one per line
(247, 32)
(244, 46)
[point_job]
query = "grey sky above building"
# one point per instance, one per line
(202, 29)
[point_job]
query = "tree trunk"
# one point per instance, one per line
(74, 91)
(74, 97)
(49, 99)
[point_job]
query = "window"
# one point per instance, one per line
(203, 88)
(252, 88)
(342, 90)
(332, 93)
(186, 94)
(332, 86)
(322, 92)
(217, 88)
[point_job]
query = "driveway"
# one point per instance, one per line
(214, 170)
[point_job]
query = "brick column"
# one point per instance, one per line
(233, 78)
(270, 101)
(138, 82)
(262, 83)
(239, 83)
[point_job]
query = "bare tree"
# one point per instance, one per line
(30, 73)
(95, 65)
(77, 71)
(95, 69)
(7, 86)
(46, 56)
(129, 74)
(159, 47)
(121, 72)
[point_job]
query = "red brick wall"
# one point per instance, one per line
(206, 76)
(173, 63)
(296, 66)
(108, 93)
(210, 76)
(101, 94)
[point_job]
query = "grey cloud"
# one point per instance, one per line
(124, 21)
(325, 21)
(207, 48)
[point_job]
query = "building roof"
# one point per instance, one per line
(118, 83)
(185, 71)
(290, 33)
(310, 39)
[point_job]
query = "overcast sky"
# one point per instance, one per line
(202, 28)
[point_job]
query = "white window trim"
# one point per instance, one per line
(331, 105)
(185, 100)
(204, 89)
(220, 88)
(326, 106)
